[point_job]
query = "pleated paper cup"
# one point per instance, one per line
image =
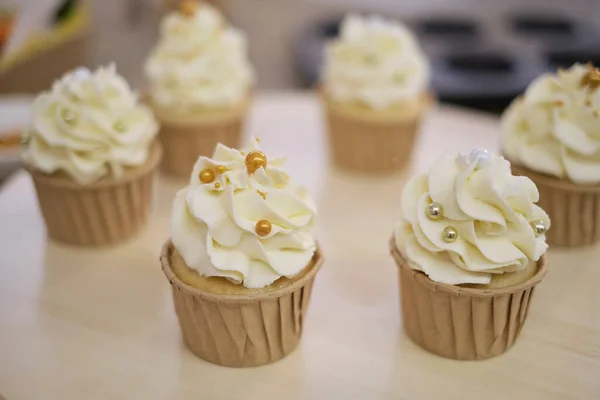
(463, 323)
(184, 140)
(237, 330)
(574, 210)
(370, 145)
(105, 212)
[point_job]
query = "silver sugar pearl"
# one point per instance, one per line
(449, 234)
(435, 211)
(539, 227)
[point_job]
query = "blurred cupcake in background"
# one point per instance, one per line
(470, 250)
(91, 151)
(552, 135)
(375, 88)
(200, 84)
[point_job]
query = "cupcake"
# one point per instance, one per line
(470, 250)
(200, 84)
(91, 151)
(374, 88)
(241, 259)
(551, 134)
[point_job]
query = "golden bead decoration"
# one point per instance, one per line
(435, 211)
(119, 126)
(262, 194)
(449, 234)
(591, 79)
(254, 160)
(539, 227)
(263, 227)
(69, 116)
(207, 175)
(220, 169)
(188, 7)
(217, 185)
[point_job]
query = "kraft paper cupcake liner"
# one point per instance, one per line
(241, 330)
(574, 210)
(105, 212)
(463, 323)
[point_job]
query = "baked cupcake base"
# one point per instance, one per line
(105, 212)
(233, 326)
(185, 138)
(574, 210)
(373, 141)
(463, 323)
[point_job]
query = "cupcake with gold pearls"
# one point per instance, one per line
(551, 134)
(91, 151)
(374, 85)
(470, 250)
(200, 84)
(242, 254)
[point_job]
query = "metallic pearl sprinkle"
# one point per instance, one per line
(255, 160)
(435, 211)
(207, 175)
(450, 234)
(220, 169)
(263, 227)
(119, 126)
(539, 227)
(217, 185)
(69, 116)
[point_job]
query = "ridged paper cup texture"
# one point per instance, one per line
(105, 212)
(241, 330)
(574, 210)
(463, 323)
(185, 140)
(370, 145)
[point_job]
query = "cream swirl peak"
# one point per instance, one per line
(199, 62)
(374, 62)
(469, 218)
(242, 218)
(555, 127)
(88, 125)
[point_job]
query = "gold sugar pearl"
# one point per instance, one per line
(449, 234)
(255, 160)
(69, 116)
(220, 169)
(207, 175)
(188, 7)
(435, 211)
(263, 227)
(539, 227)
(119, 126)
(217, 185)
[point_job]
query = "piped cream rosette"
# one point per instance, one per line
(469, 218)
(243, 219)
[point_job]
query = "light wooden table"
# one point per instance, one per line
(99, 324)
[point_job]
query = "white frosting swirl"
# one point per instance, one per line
(555, 127)
(89, 125)
(199, 63)
(374, 62)
(213, 224)
(491, 210)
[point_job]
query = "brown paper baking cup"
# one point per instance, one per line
(105, 212)
(459, 322)
(241, 330)
(183, 143)
(574, 210)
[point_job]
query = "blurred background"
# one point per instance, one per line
(483, 52)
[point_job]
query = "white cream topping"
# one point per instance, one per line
(555, 127)
(374, 62)
(88, 125)
(199, 63)
(213, 224)
(491, 210)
